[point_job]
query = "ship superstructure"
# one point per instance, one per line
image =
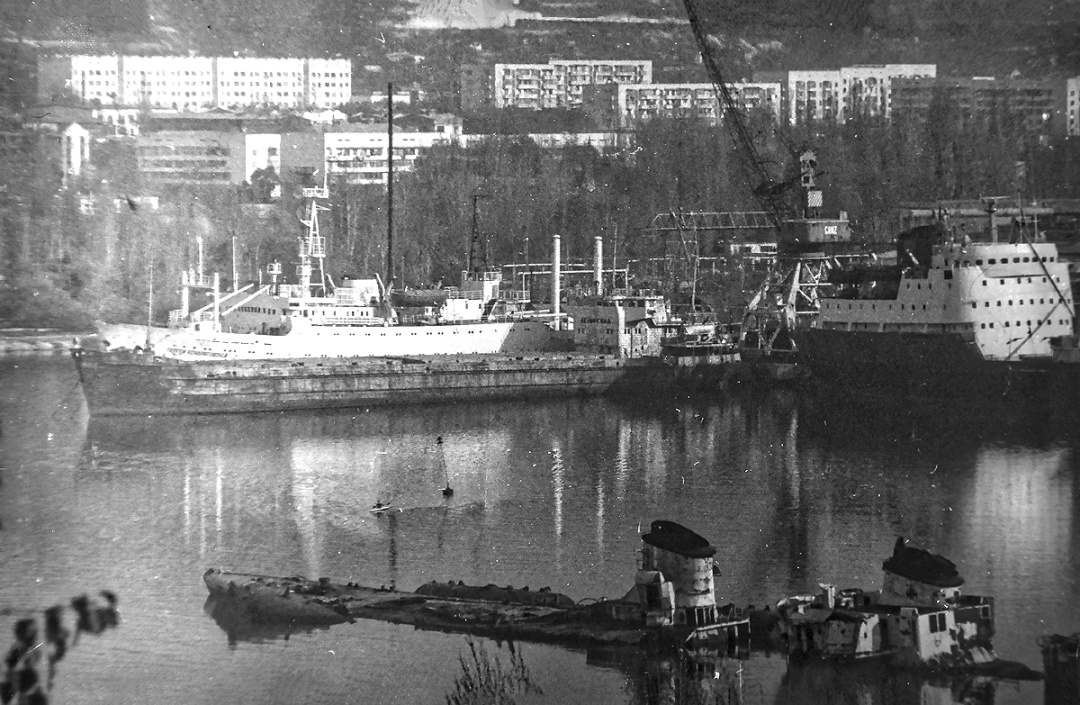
(919, 617)
(1011, 300)
(357, 318)
(952, 319)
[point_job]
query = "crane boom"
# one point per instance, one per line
(768, 191)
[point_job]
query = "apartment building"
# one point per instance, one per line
(561, 83)
(638, 103)
(197, 82)
(359, 153)
(1036, 107)
(846, 93)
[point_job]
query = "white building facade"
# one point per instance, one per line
(852, 91)
(359, 154)
(637, 103)
(199, 82)
(560, 83)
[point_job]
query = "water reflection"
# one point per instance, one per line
(873, 683)
(240, 625)
(546, 494)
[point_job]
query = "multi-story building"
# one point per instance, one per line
(346, 152)
(1036, 107)
(197, 82)
(813, 96)
(561, 83)
(638, 103)
(205, 157)
(359, 153)
(849, 92)
(866, 91)
(1072, 107)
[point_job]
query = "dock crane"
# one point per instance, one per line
(808, 246)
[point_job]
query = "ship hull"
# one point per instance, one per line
(931, 367)
(311, 341)
(119, 383)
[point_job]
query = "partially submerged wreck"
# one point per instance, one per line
(918, 618)
(1061, 662)
(673, 596)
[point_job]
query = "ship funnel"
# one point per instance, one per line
(556, 274)
(598, 259)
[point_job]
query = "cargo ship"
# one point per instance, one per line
(122, 383)
(953, 319)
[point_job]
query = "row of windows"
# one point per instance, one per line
(186, 165)
(944, 307)
(1020, 324)
(260, 309)
(1004, 260)
(1019, 302)
(184, 151)
(174, 177)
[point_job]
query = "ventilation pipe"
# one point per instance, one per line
(598, 258)
(217, 303)
(556, 281)
(185, 296)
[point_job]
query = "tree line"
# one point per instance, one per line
(66, 264)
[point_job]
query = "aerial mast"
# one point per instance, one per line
(390, 184)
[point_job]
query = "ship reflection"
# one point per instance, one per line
(240, 625)
(875, 683)
(657, 674)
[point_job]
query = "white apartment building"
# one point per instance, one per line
(560, 83)
(198, 82)
(636, 103)
(813, 96)
(1072, 107)
(836, 96)
(866, 90)
(359, 153)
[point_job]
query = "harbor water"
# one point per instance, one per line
(548, 493)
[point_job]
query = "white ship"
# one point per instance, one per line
(314, 319)
(953, 319)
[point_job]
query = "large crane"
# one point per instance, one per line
(769, 192)
(788, 298)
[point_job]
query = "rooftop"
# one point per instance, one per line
(669, 536)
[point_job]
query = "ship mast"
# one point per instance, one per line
(312, 244)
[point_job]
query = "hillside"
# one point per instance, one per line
(963, 37)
